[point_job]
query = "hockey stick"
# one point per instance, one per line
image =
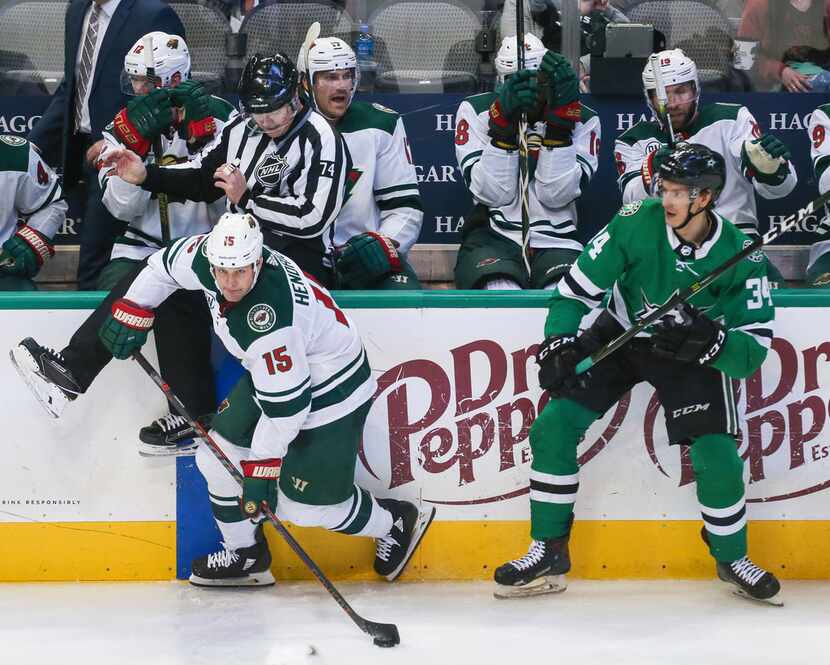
(788, 223)
(524, 171)
(384, 634)
(311, 34)
(662, 96)
(164, 212)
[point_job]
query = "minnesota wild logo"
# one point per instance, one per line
(351, 182)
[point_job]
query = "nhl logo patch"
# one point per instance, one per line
(261, 318)
(686, 250)
(756, 256)
(630, 209)
(269, 172)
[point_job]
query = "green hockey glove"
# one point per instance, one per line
(688, 335)
(563, 110)
(143, 119)
(25, 252)
(126, 328)
(518, 93)
(766, 160)
(198, 121)
(259, 484)
(365, 260)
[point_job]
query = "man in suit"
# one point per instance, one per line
(98, 34)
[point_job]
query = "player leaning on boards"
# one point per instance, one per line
(294, 420)
(32, 212)
(651, 249)
(563, 142)
(180, 117)
(818, 130)
(280, 161)
(755, 162)
(382, 215)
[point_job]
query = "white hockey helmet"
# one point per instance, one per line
(328, 54)
(170, 57)
(507, 60)
(675, 67)
(235, 242)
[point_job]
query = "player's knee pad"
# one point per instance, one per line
(715, 460)
(559, 428)
(359, 515)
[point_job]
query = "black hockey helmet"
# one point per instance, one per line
(267, 83)
(695, 166)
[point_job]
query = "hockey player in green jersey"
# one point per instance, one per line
(563, 142)
(649, 251)
(293, 423)
(382, 214)
(755, 162)
(818, 130)
(32, 213)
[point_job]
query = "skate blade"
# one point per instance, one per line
(264, 578)
(27, 368)
(538, 587)
(182, 450)
(776, 601)
(424, 520)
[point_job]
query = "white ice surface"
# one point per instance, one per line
(607, 623)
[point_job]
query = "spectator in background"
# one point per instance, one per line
(541, 14)
(793, 41)
(97, 37)
(32, 212)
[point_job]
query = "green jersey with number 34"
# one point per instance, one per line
(643, 263)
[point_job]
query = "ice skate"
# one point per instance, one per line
(394, 551)
(45, 372)
(169, 435)
(540, 571)
(246, 566)
(751, 581)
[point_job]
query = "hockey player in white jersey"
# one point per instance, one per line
(755, 162)
(181, 117)
(32, 212)
(563, 141)
(818, 130)
(308, 387)
(382, 214)
(280, 161)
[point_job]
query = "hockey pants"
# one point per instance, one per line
(554, 479)
(316, 485)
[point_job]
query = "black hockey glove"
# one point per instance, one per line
(557, 358)
(688, 335)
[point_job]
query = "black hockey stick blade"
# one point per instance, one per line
(788, 223)
(384, 634)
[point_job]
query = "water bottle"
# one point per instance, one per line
(365, 50)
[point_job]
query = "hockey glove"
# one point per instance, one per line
(651, 166)
(688, 335)
(25, 252)
(562, 107)
(766, 160)
(143, 119)
(126, 328)
(365, 260)
(259, 484)
(557, 358)
(518, 93)
(198, 122)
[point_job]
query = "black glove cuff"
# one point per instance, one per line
(557, 136)
(504, 138)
